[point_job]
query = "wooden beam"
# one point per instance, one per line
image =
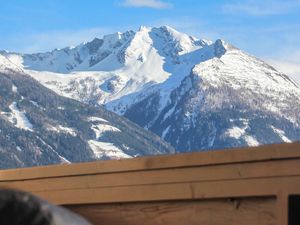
(251, 211)
(216, 157)
(238, 171)
(173, 188)
(175, 191)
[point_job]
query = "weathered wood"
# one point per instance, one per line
(260, 211)
(290, 167)
(253, 154)
(282, 208)
(174, 189)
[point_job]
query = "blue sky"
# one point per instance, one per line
(269, 29)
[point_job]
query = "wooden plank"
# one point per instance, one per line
(238, 171)
(175, 191)
(260, 211)
(282, 208)
(261, 153)
(155, 187)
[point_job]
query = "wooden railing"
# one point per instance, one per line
(240, 186)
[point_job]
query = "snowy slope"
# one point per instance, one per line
(133, 61)
(39, 127)
(7, 65)
(196, 94)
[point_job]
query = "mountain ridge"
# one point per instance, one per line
(168, 82)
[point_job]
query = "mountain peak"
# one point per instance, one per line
(115, 51)
(221, 47)
(112, 37)
(144, 28)
(194, 93)
(169, 29)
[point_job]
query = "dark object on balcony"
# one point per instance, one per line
(21, 208)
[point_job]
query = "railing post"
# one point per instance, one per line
(282, 208)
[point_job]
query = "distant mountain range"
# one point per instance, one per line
(196, 94)
(39, 127)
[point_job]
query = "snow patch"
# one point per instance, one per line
(14, 89)
(169, 113)
(165, 132)
(104, 149)
(235, 132)
(107, 149)
(18, 118)
(251, 141)
(67, 130)
(35, 104)
(97, 119)
(281, 134)
(100, 126)
(63, 159)
(100, 129)
(240, 133)
(62, 129)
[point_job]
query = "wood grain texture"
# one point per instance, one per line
(282, 208)
(290, 167)
(260, 211)
(252, 154)
(278, 172)
(175, 191)
(183, 189)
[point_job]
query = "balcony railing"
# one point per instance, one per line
(239, 186)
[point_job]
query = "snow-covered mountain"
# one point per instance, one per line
(196, 94)
(39, 127)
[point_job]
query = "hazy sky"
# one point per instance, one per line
(269, 29)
